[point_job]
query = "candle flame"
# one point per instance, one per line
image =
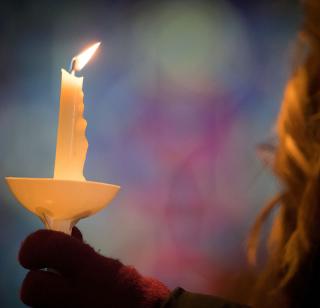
(83, 58)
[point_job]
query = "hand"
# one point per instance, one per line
(80, 277)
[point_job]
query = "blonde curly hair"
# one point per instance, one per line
(292, 271)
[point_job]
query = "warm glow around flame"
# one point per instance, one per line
(82, 59)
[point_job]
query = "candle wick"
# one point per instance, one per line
(73, 66)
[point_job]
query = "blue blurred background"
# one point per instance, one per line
(177, 99)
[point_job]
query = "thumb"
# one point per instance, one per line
(76, 233)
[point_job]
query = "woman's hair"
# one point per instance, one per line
(291, 276)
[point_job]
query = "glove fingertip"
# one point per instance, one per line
(37, 244)
(76, 233)
(25, 254)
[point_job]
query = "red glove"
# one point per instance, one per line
(80, 277)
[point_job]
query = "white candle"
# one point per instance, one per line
(72, 144)
(61, 201)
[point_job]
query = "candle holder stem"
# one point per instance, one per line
(62, 225)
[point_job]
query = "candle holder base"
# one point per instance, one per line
(60, 204)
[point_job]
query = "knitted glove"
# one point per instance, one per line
(80, 277)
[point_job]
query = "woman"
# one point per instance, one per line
(292, 273)
(83, 278)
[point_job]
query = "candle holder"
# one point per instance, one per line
(60, 204)
(63, 200)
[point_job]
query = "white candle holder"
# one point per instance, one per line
(60, 204)
(62, 201)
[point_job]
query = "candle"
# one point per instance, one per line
(72, 144)
(67, 197)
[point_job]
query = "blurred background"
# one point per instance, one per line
(177, 99)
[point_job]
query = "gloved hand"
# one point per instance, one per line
(80, 277)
